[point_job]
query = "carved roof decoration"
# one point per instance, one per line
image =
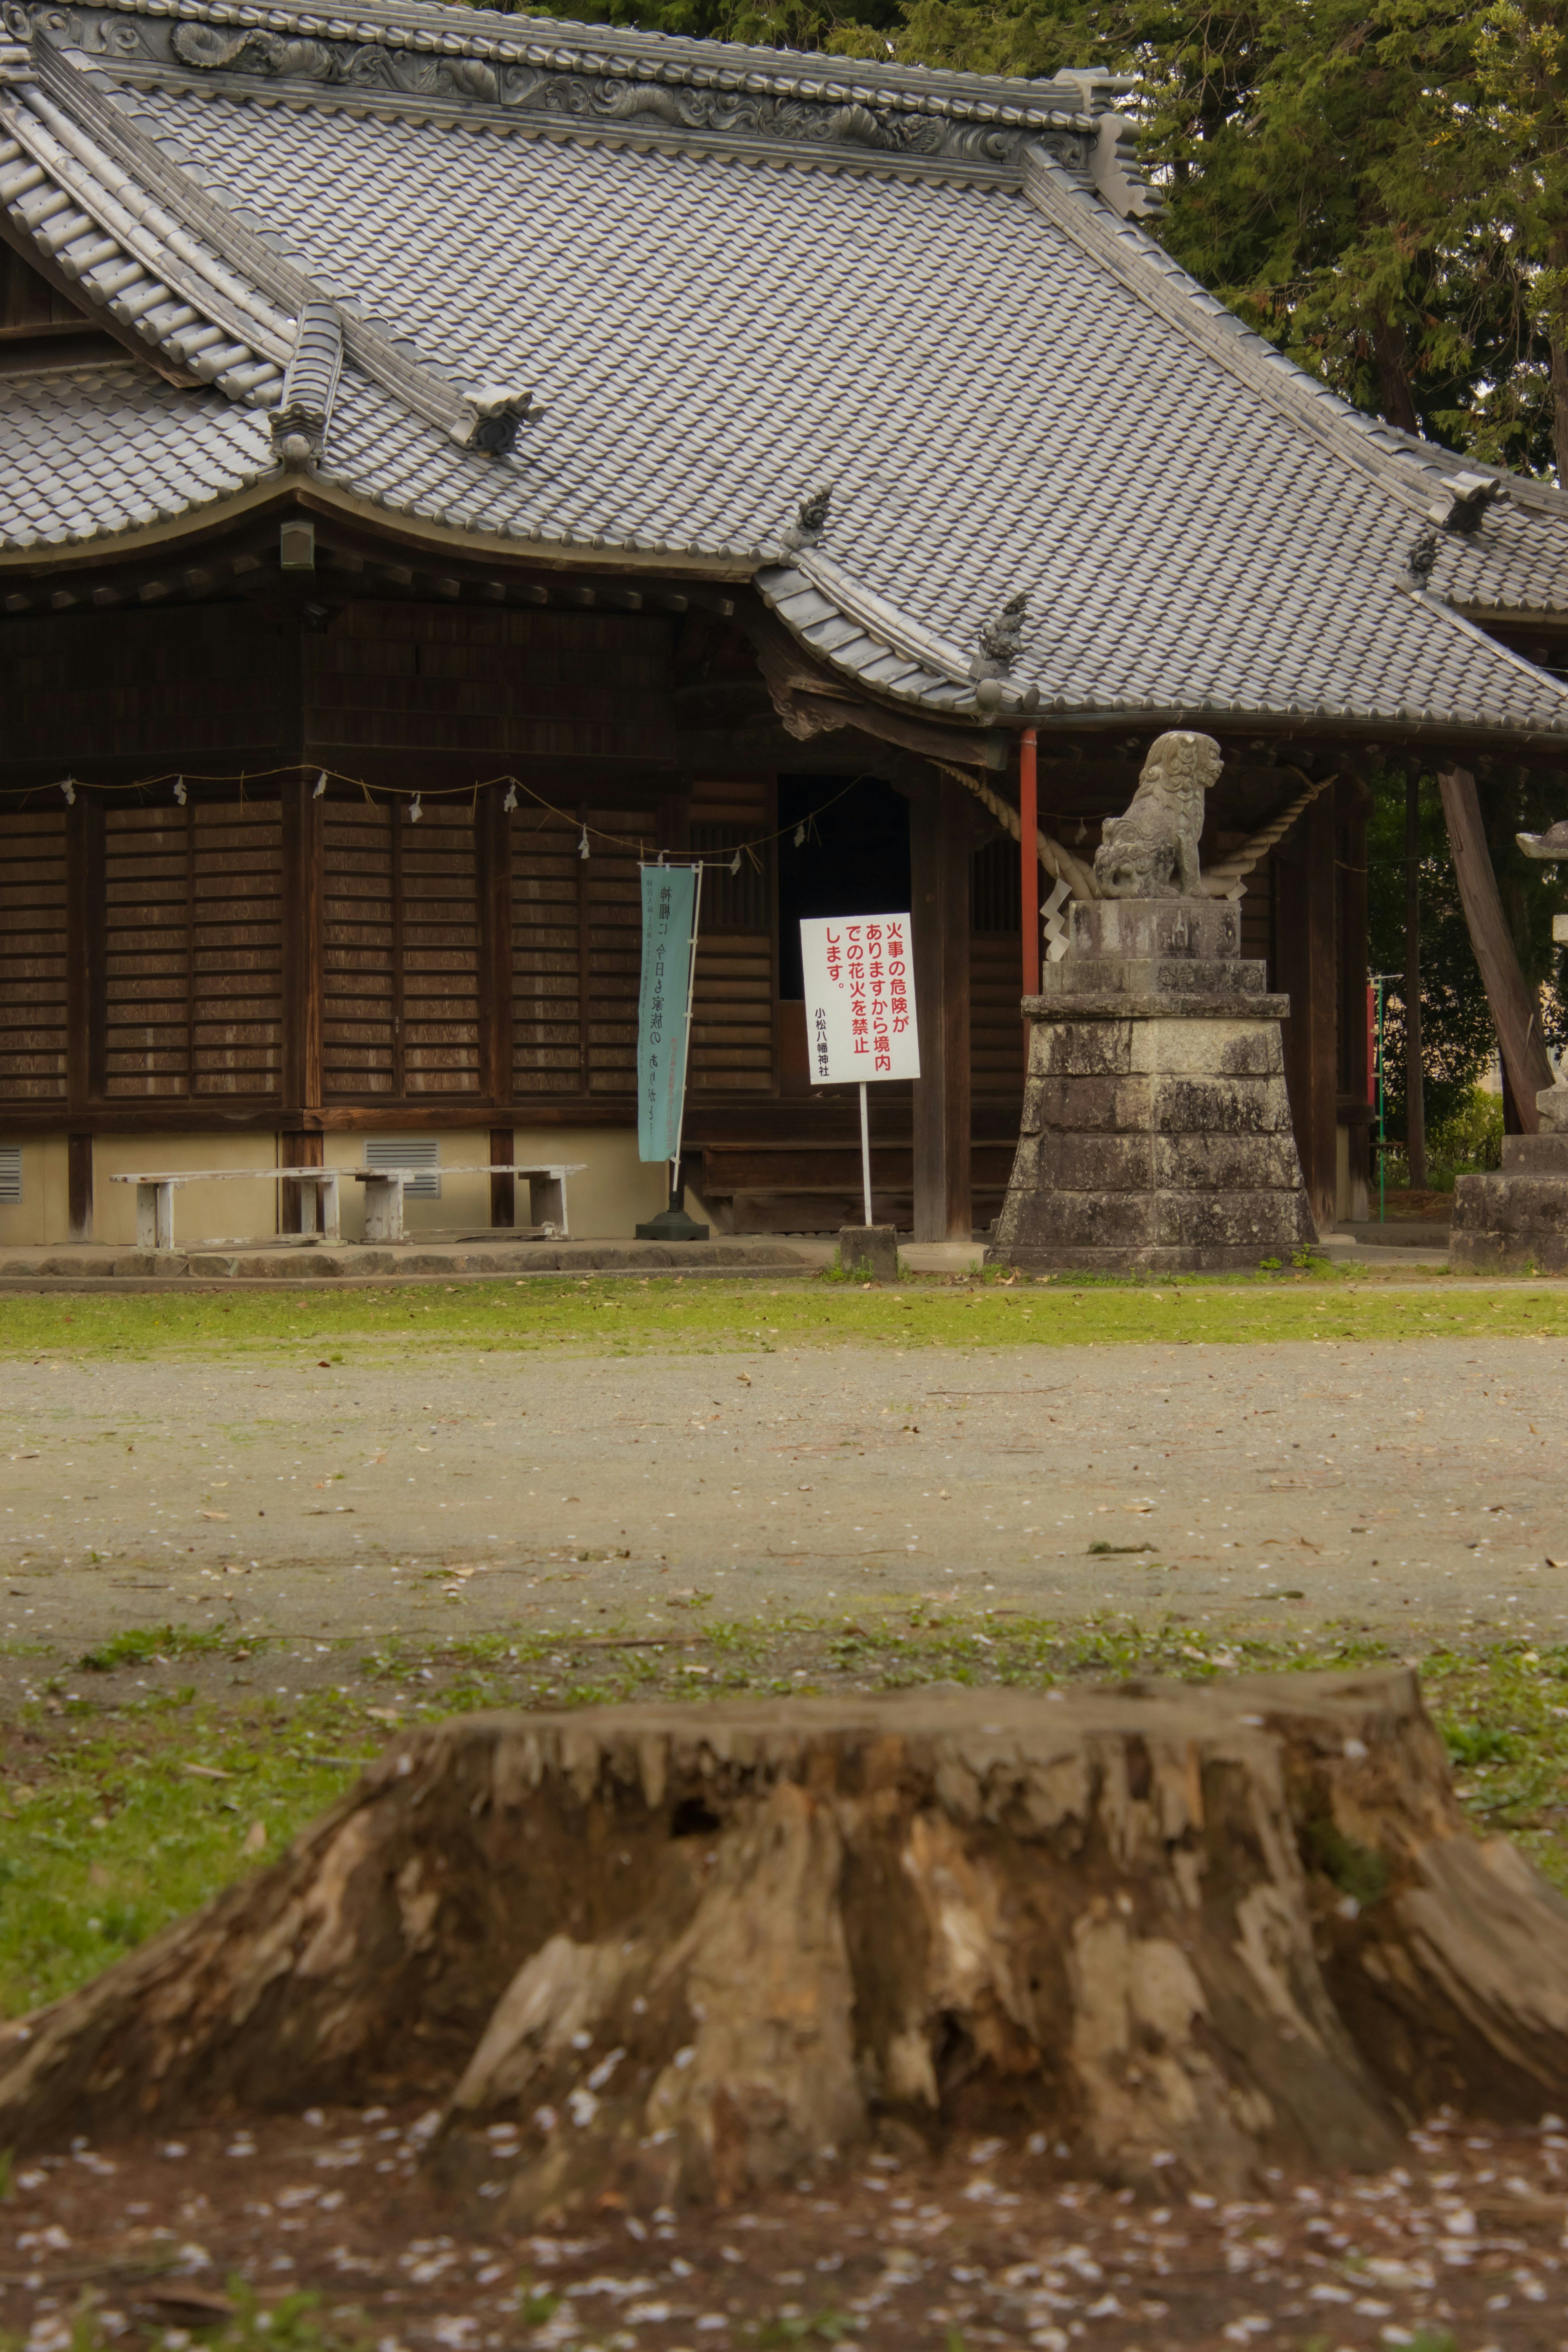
(661, 292)
(300, 419)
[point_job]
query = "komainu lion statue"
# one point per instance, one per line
(1152, 851)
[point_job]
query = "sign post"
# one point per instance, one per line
(671, 898)
(860, 1010)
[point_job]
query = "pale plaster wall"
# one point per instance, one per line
(609, 1196)
(43, 1212)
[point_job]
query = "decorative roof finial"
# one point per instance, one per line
(1422, 558)
(1001, 638)
(810, 519)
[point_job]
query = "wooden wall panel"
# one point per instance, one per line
(546, 955)
(576, 949)
(490, 684)
(995, 1024)
(359, 953)
(201, 686)
(236, 934)
(401, 939)
(33, 968)
(736, 981)
(148, 909)
(440, 970)
(193, 951)
(612, 909)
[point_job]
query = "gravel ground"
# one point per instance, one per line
(988, 2244)
(1290, 1485)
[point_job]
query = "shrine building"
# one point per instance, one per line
(446, 458)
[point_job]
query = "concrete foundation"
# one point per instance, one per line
(1515, 1222)
(1156, 1129)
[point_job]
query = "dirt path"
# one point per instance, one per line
(1283, 1485)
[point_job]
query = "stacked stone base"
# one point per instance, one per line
(1156, 1131)
(1517, 1220)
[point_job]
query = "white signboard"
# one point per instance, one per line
(860, 999)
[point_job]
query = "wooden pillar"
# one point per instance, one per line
(303, 832)
(85, 965)
(939, 870)
(1305, 961)
(492, 850)
(1516, 1014)
(1414, 1075)
(301, 979)
(1352, 801)
(79, 1167)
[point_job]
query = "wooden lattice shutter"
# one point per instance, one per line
(359, 951)
(236, 949)
(439, 966)
(33, 956)
(400, 952)
(149, 858)
(732, 1014)
(576, 949)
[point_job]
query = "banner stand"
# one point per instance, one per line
(669, 933)
(677, 1189)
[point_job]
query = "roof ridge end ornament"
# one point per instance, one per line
(298, 423)
(810, 519)
(491, 416)
(1464, 506)
(1001, 638)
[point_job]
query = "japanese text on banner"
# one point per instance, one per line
(668, 906)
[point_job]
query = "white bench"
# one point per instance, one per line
(546, 1193)
(155, 1196)
(155, 1193)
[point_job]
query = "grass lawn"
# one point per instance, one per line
(617, 1316)
(128, 1798)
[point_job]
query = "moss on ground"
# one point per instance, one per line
(126, 1803)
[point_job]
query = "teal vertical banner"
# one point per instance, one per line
(668, 905)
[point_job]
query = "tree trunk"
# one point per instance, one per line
(1391, 355)
(1414, 1089)
(1516, 1015)
(672, 1952)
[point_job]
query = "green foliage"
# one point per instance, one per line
(535, 2305)
(1321, 1301)
(825, 2326)
(1470, 1744)
(141, 1644)
(1458, 1040)
(293, 2324)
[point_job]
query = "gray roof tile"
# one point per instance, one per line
(1006, 386)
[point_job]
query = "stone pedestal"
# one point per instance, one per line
(1156, 1131)
(1517, 1219)
(869, 1252)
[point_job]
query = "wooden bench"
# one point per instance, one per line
(155, 1193)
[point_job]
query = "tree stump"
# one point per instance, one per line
(680, 1952)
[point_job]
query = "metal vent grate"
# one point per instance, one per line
(387, 1151)
(10, 1175)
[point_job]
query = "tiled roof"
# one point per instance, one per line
(630, 296)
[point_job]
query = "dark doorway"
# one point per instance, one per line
(855, 859)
